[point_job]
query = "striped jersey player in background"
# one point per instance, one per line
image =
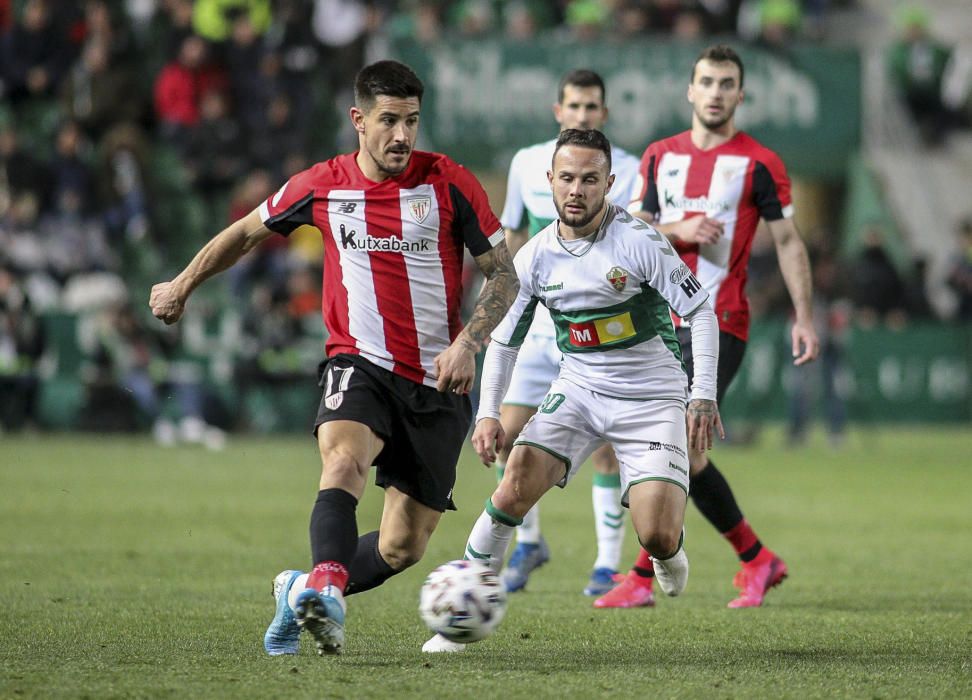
(529, 208)
(610, 283)
(395, 223)
(706, 189)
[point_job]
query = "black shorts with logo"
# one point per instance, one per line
(423, 429)
(731, 352)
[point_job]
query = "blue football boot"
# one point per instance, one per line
(283, 634)
(322, 614)
(526, 557)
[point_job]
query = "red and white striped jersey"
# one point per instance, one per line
(736, 183)
(393, 254)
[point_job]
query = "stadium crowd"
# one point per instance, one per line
(129, 128)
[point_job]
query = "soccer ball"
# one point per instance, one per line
(463, 600)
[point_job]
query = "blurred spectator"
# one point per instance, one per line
(473, 18)
(877, 289)
(121, 183)
(129, 369)
(419, 20)
(101, 27)
(179, 89)
(97, 94)
(22, 343)
(689, 25)
(213, 19)
(831, 313)
(280, 139)
(269, 261)
(631, 20)
(172, 25)
(214, 157)
(960, 276)
(20, 172)
(519, 21)
(585, 19)
(34, 54)
(779, 23)
(245, 53)
(70, 172)
(918, 64)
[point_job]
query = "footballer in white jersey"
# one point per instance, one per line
(530, 204)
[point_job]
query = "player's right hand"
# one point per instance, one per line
(166, 303)
(702, 230)
(487, 435)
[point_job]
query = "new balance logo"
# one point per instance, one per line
(374, 244)
(690, 286)
(347, 207)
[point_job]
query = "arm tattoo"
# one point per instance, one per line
(495, 298)
(701, 407)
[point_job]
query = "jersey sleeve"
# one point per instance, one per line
(646, 196)
(291, 206)
(514, 207)
(512, 330)
(655, 259)
(771, 188)
(474, 219)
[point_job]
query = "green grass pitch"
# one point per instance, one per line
(127, 570)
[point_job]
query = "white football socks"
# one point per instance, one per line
(488, 540)
(608, 521)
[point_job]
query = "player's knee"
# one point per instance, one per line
(401, 553)
(661, 542)
(338, 468)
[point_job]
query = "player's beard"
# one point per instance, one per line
(714, 123)
(580, 220)
(384, 166)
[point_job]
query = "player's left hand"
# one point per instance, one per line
(456, 367)
(806, 345)
(701, 417)
(486, 436)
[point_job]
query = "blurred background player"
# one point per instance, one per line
(581, 104)
(706, 189)
(395, 223)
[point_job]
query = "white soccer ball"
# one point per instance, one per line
(463, 600)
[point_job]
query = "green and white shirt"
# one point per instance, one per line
(609, 297)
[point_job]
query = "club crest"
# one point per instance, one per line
(419, 208)
(618, 277)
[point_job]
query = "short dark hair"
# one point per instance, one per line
(581, 77)
(719, 53)
(389, 78)
(586, 138)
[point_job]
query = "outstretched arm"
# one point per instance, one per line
(456, 366)
(168, 299)
(795, 266)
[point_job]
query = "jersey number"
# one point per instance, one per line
(551, 402)
(344, 378)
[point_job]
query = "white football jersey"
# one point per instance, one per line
(609, 301)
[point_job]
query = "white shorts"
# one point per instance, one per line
(648, 437)
(536, 367)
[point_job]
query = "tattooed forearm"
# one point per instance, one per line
(494, 299)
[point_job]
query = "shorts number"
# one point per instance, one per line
(551, 402)
(342, 382)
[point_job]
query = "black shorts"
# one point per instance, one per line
(423, 429)
(731, 352)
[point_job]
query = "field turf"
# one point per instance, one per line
(128, 570)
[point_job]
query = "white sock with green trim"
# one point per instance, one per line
(608, 520)
(529, 531)
(489, 540)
